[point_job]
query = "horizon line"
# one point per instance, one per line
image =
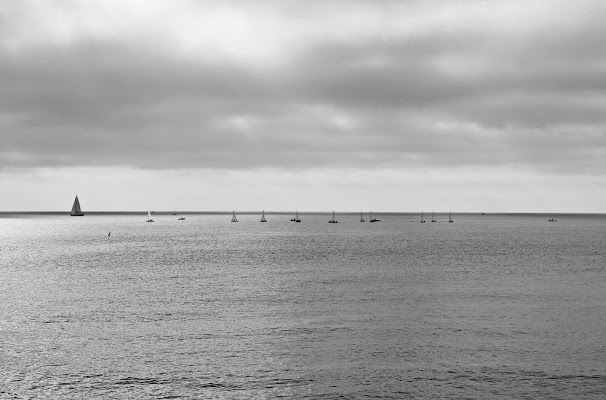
(252, 212)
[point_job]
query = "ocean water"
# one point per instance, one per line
(489, 307)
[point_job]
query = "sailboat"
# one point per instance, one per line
(76, 211)
(373, 219)
(333, 220)
(433, 219)
(450, 217)
(233, 217)
(149, 218)
(362, 217)
(296, 219)
(263, 217)
(552, 219)
(422, 219)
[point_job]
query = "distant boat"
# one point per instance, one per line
(422, 219)
(433, 219)
(296, 218)
(76, 212)
(333, 220)
(174, 213)
(263, 217)
(149, 218)
(450, 217)
(373, 219)
(233, 217)
(552, 219)
(181, 218)
(362, 217)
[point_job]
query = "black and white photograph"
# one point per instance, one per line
(288, 199)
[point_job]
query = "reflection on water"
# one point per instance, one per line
(487, 307)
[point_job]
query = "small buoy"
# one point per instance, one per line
(109, 234)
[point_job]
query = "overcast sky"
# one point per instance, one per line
(313, 105)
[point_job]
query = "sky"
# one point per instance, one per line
(409, 105)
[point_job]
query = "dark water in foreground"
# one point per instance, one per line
(487, 307)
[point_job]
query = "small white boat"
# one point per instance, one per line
(433, 219)
(450, 217)
(263, 217)
(373, 219)
(362, 217)
(149, 218)
(296, 218)
(422, 219)
(333, 220)
(233, 217)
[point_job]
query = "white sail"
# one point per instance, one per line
(233, 217)
(263, 217)
(76, 211)
(149, 218)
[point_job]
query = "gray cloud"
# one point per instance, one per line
(433, 97)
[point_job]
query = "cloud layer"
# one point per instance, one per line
(289, 84)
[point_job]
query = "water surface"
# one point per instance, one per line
(494, 306)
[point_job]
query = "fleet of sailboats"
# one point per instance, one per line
(77, 212)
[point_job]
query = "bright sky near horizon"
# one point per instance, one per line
(477, 105)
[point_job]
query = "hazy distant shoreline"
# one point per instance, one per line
(402, 213)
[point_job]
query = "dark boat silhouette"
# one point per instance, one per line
(76, 211)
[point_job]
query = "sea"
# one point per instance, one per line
(495, 306)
